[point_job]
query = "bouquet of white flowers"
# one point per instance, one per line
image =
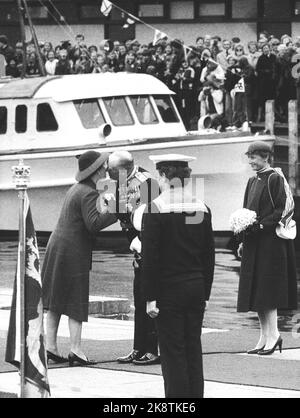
(241, 219)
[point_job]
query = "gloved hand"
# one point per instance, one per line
(240, 250)
(152, 309)
(136, 245)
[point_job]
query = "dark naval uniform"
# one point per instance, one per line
(178, 267)
(141, 188)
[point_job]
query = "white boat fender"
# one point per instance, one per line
(204, 122)
(105, 130)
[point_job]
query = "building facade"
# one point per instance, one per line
(57, 20)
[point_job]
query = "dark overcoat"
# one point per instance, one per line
(68, 258)
(268, 278)
(266, 75)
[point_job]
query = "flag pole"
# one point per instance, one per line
(21, 175)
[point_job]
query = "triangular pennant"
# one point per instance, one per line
(106, 7)
(128, 23)
(158, 35)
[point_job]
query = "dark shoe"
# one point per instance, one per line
(55, 358)
(255, 350)
(271, 351)
(147, 359)
(133, 355)
(73, 359)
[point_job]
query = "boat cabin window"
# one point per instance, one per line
(166, 109)
(144, 110)
(3, 120)
(90, 113)
(45, 119)
(21, 119)
(118, 111)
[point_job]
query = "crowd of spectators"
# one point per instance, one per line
(221, 78)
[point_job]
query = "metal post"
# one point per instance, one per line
(23, 36)
(35, 41)
(293, 145)
(270, 116)
(21, 178)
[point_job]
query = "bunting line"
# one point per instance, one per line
(156, 31)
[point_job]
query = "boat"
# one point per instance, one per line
(48, 121)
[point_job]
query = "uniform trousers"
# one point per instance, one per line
(179, 322)
(145, 332)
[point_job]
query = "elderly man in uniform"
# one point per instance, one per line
(68, 258)
(135, 186)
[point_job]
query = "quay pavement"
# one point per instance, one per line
(229, 371)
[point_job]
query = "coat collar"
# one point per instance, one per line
(89, 182)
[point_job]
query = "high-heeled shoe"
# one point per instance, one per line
(55, 358)
(73, 358)
(271, 351)
(255, 350)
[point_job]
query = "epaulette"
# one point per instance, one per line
(142, 176)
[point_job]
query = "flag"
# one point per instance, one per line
(36, 379)
(158, 35)
(106, 7)
(128, 23)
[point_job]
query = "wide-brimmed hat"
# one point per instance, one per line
(89, 162)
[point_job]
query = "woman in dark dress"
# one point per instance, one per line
(268, 279)
(178, 267)
(68, 258)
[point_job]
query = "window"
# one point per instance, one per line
(3, 120)
(38, 12)
(90, 113)
(166, 109)
(182, 10)
(276, 9)
(90, 12)
(9, 13)
(64, 10)
(118, 111)
(244, 9)
(21, 119)
(212, 8)
(45, 119)
(144, 110)
(151, 10)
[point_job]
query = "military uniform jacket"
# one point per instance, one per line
(141, 188)
(177, 245)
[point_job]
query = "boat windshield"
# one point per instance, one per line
(144, 110)
(118, 111)
(166, 109)
(90, 113)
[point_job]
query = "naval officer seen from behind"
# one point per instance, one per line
(178, 267)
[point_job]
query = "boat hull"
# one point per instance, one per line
(220, 171)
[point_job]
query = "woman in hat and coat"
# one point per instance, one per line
(268, 279)
(177, 274)
(68, 258)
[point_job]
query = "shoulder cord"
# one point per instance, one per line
(272, 201)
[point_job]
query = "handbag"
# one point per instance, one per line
(289, 229)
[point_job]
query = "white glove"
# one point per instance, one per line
(151, 309)
(107, 203)
(240, 250)
(136, 245)
(138, 216)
